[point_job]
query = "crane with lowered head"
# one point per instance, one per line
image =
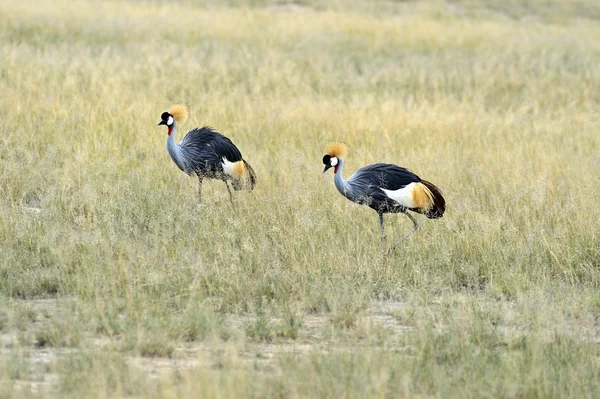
(385, 188)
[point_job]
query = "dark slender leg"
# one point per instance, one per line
(415, 226)
(199, 190)
(382, 234)
(230, 195)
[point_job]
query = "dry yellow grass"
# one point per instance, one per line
(113, 284)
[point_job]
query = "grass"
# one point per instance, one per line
(113, 284)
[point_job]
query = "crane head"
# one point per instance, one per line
(333, 151)
(166, 119)
(330, 162)
(178, 113)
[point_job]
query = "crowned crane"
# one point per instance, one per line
(206, 153)
(385, 188)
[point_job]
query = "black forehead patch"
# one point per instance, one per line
(165, 116)
(326, 159)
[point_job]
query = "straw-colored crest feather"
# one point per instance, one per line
(180, 113)
(336, 149)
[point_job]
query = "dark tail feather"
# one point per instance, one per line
(251, 175)
(248, 180)
(439, 203)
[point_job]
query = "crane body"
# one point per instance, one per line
(385, 188)
(207, 154)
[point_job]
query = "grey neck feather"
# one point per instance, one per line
(174, 149)
(341, 184)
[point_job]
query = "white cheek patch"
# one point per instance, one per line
(333, 161)
(170, 121)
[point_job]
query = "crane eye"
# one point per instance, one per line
(326, 159)
(164, 116)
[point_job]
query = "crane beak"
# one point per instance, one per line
(161, 123)
(326, 168)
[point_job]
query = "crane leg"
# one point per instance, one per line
(199, 190)
(230, 195)
(415, 227)
(382, 234)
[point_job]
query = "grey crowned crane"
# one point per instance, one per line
(206, 153)
(385, 188)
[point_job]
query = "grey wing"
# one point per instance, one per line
(367, 183)
(204, 150)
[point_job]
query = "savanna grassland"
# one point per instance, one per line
(114, 284)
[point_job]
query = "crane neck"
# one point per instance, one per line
(171, 131)
(173, 148)
(341, 184)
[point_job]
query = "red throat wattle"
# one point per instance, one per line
(171, 130)
(335, 169)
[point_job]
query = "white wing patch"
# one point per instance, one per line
(227, 166)
(233, 169)
(403, 196)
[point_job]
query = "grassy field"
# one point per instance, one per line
(113, 284)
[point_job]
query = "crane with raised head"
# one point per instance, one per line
(206, 153)
(386, 188)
